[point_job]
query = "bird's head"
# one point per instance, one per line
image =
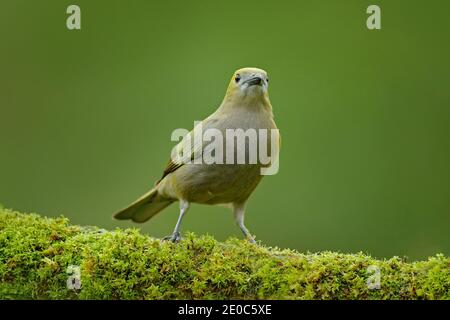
(248, 84)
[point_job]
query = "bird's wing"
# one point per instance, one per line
(184, 152)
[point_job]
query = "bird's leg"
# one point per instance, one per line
(175, 236)
(239, 211)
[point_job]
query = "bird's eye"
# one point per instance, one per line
(267, 80)
(237, 78)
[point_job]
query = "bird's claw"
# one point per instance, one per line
(174, 237)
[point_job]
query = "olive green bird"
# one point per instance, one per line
(246, 105)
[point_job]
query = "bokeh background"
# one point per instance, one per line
(86, 116)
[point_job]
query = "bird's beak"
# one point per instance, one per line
(254, 81)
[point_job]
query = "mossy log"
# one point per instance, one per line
(48, 258)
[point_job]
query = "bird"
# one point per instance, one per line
(246, 106)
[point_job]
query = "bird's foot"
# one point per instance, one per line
(174, 237)
(251, 239)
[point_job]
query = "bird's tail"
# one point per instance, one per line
(144, 208)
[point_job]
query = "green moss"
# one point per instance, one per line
(36, 252)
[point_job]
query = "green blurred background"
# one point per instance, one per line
(86, 116)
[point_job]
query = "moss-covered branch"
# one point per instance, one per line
(39, 255)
